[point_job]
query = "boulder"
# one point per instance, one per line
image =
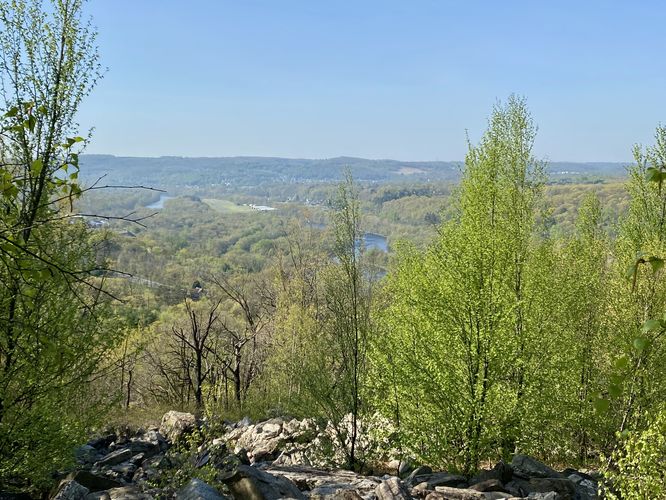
(93, 482)
(501, 472)
(251, 483)
(115, 457)
(198, 490)
(488, 485)
(419, 471)
(149, 444)
(440, 479)
(175, 424)
(586, 486)
(563, 488)
(527, 467)
(98, 495)
(445, 492)
(340, 492)
(392, 489)
(327, 483)
(128, 493)
(70, 490)
(86, 454)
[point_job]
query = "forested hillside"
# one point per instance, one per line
(388, 317)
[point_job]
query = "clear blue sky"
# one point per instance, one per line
(376, 79)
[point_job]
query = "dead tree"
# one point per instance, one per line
(195, 342)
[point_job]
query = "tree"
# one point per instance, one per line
(348, 298)
(456, 329)
(195, 345)
(53, 336)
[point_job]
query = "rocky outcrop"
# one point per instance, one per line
(175, 424)
(281, 458)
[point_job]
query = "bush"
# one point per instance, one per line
(640, 463)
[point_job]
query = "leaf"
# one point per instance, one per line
(31, 122)
(653, 174)
(615, 391)
(36, 167)
(621, 362)
(640, 343)
(631, 271)
(13, 111)
(656, 263)
(651, 325)
(601, 405)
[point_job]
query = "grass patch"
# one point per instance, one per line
(226, 206)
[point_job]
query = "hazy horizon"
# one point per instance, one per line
(374, 79)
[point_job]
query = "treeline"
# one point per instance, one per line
(501, 336)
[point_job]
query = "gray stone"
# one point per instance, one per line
(440, 479)
(252, 483)
(551, 495)
(527, 467)
(198, 490)
(123, 471)
(502, 472)
(339, 492)
(93, 482)
(70, 490)
(419, 471)
(86, 454)
(128, 493)
(586, 487)
(488, 485)
(98, 495)
(175, 424)
(448, 493)
(392, 489)
(115, 457)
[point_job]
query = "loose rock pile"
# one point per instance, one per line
(279, 459)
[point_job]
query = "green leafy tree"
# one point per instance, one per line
(456, 327)
(52, 334)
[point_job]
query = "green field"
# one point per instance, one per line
(226, 206)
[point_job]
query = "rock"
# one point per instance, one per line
(339, 492)
(115, 457)
(151, 443)
(586, 486)
(93, 482)
(175, 424)
(198, 490)
(128, 493)
(86, 454)
(526, 468)
(405, 468)
(70, 490)
(325, 483)
(392, 489)
(562, 487)
(98, 495)
(440, 479)
(123, 472)
(102, 442)
(251, 483)
(445, 492)
(242, 456)
(565, 488)
(544, 496)
(502, 472)
(488, 485)
(419, 471)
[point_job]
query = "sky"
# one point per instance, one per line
(407, 80)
